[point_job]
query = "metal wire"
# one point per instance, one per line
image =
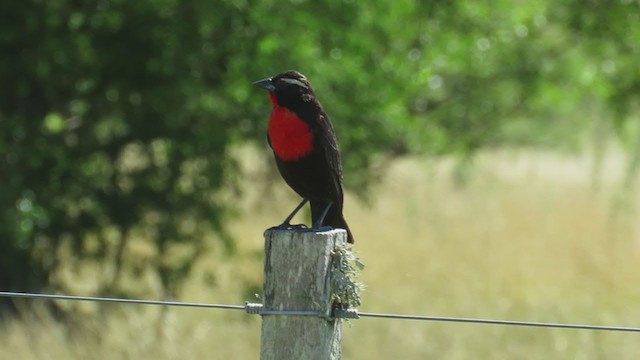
(258, 309)
(118, 300)
(500, 322)
(255, 308)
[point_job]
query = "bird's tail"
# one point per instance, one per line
(336, 220)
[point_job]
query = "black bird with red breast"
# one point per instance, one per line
(305, 148)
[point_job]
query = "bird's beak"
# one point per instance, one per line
(265, 84)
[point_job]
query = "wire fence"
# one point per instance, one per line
(257, 308)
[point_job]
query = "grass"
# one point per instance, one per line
(527, 238)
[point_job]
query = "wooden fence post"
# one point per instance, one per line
(297, 276)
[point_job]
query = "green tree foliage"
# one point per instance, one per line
(109, 121)
(117, 116)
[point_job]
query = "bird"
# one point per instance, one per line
(305, 149)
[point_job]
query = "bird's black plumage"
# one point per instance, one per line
(314, 171)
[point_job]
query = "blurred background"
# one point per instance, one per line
(491, 153)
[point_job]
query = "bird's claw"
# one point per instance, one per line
(302, 227)
(287, 226)
(322, 228)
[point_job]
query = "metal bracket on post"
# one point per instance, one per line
(337, 313)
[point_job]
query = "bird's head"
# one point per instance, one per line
(287, 89)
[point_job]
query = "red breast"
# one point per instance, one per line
(290, 136)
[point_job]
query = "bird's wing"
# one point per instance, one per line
(332, 154)
(332, 151)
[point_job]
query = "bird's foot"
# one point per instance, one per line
(301, 227)
(322, 228)
(287, 226)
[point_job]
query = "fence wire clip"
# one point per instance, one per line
(345, 313)
(253, 308)
(338, 312)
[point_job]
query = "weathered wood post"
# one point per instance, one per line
(297, 276)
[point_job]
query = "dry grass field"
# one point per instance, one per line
(527, 238)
